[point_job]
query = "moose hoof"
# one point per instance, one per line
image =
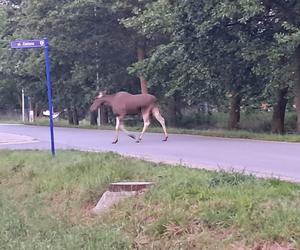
(132, 136)
(138, 140)
(166, 138)
(115, 141)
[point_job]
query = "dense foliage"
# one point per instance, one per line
(231, 56)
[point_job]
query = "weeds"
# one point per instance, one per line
(232, 178)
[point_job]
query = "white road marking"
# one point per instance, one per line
(11, 124)
(8, 139)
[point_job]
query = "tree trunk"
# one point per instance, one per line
(20, 100)
(94, 116)
(297, 87)
(104, 115)
(177, 104)
(75, 117)
(234, 114)
(70, 116)
(279, 112)
(143, 82)
(175, 114)
(36, 110)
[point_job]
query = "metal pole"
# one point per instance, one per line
(23, 106)
(97, 74)
(49, 95)
(99, 109)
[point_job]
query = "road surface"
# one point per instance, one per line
(277, 159)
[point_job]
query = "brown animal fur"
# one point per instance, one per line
(123, 104)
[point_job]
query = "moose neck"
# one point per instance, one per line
(107, 99)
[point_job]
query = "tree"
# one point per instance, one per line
(203, 49)
(9, 86)
(242, 49)
(130, 8)
(275, 64)
(80, 64)
(288, 40)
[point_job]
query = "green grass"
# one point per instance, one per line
(45, 204)
(10, 119)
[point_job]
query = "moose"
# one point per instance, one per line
(124, 103)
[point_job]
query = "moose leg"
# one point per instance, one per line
(161, 120)
(146, 120)
(122, 127)
(117, 130)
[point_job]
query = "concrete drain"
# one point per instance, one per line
(118, 191)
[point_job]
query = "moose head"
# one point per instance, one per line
(99, 100)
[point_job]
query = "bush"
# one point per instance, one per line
(256, 121)
(194, 120)
(232, 178)
(290, 122)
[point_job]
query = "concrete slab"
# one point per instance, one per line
(118, 191)
(108, 199)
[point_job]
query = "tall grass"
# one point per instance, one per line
(45, 204)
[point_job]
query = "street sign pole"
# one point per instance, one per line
(23, 106)
(40, 43)
(49, 94)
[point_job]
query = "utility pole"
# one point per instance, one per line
(97, 73)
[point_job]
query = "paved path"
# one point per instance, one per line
(278, 159)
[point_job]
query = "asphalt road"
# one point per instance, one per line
(277, 159)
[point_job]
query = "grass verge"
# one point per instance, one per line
(45, 204)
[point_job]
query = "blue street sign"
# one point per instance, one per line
(40, 43)
(47, 66)
(23, 44)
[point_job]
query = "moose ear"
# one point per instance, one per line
(101, 94)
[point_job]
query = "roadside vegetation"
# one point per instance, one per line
(253, 126)
(45, 203)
